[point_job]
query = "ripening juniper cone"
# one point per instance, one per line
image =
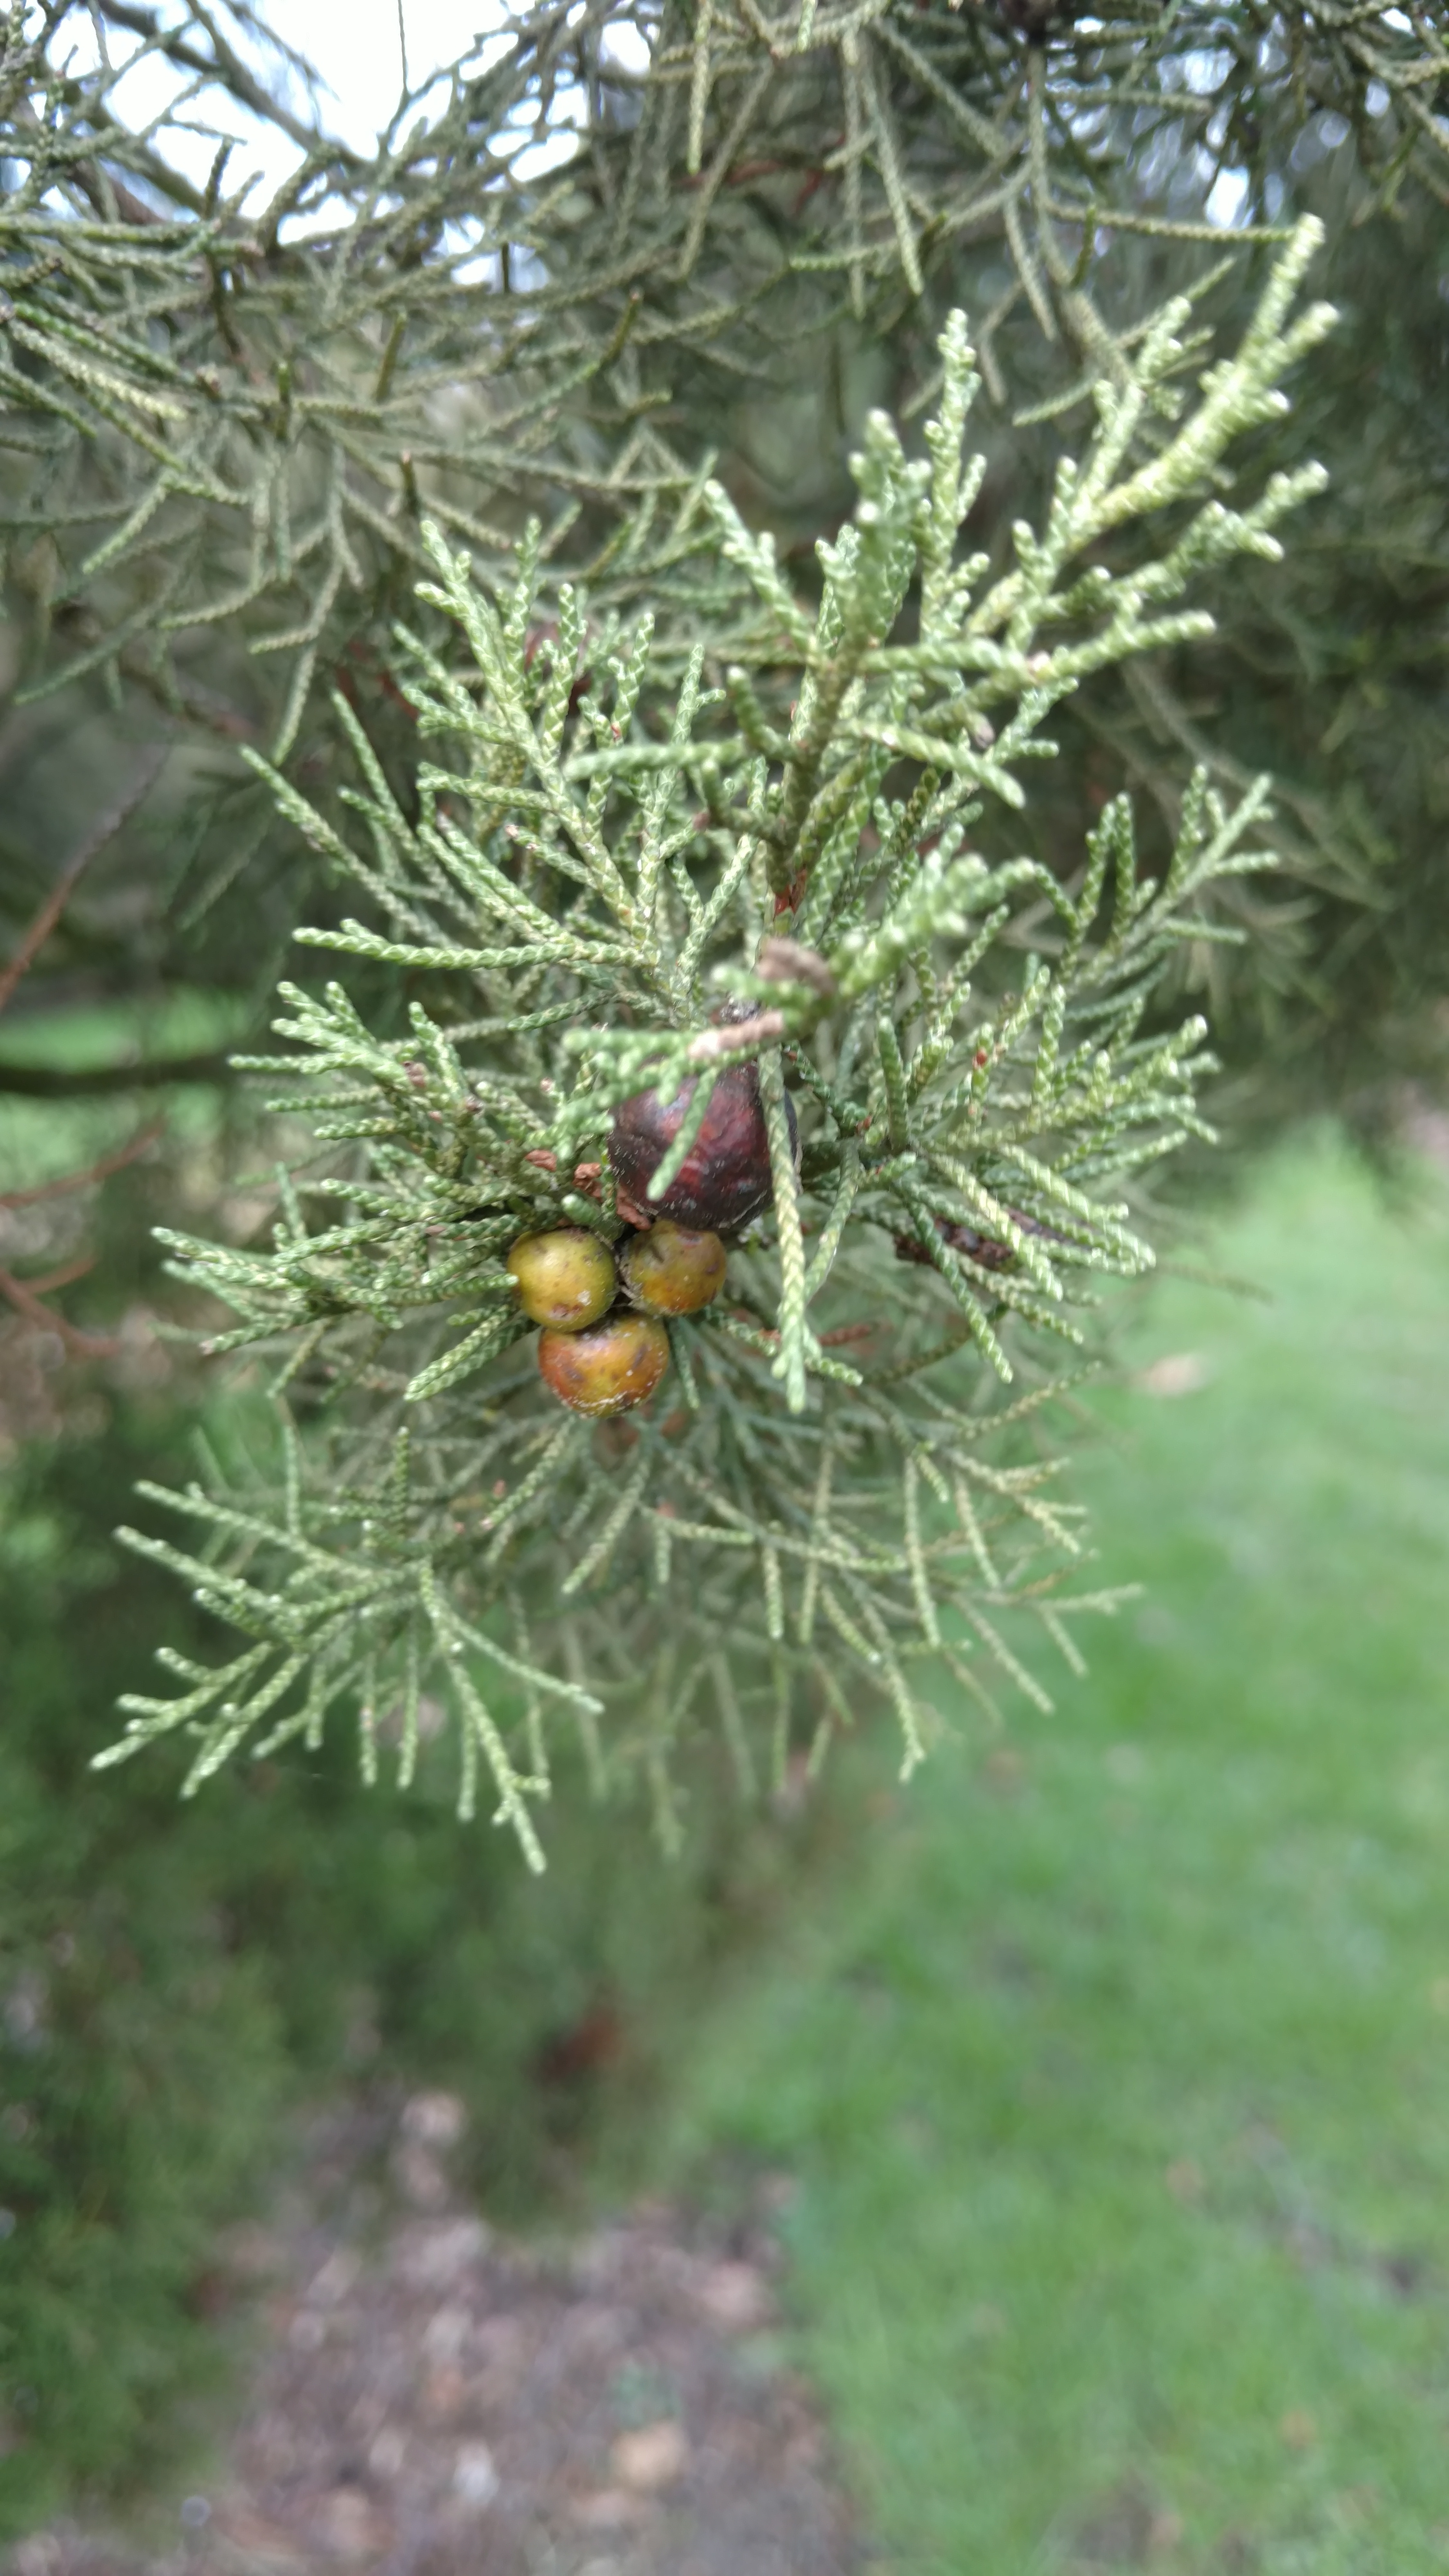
(564, 1278)
(724, 1179)
(671, 1270)
(608, 1368)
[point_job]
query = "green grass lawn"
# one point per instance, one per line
(1115, 2076)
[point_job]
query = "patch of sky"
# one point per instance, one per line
(359, 56)
(1226, 198)
(625, 48)
(1202, 71)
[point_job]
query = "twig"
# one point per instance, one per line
(100, 1171)
(226, 68)
(65, 886)
(62, 1276)
(81, 1346)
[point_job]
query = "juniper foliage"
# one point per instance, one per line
(596, 859)
(225, 419)
(243, 439)
(252, 413)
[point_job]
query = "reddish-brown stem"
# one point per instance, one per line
(70, 876)
(62, 1276)
(81, 1346)
(100, 1171)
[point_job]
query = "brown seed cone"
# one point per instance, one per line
(724, 1179)
(564, 1278)
(608, 1368)
(671, 1271)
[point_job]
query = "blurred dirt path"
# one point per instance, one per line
(429, 2399)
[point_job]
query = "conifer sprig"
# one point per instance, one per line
(615, 879)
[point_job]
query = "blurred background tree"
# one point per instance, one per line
(224, 418)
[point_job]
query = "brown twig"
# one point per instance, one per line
(81, 1346)
(61, 1276)
(26, 1295)
(65, 885)
(100, 1171)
